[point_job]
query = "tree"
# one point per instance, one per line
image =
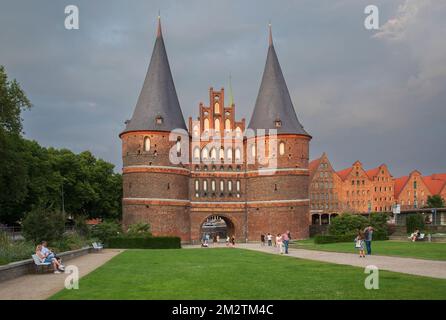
(43, 224)
(13, 168)
(12, 102)
(435, 201)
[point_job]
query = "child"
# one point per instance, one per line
(359, 244)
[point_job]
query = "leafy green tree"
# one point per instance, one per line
(435, 201)
(12, 102)
(43, 224)
(13, 172)
(413, 222)
(378, 220)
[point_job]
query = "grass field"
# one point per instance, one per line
(421, 250)
(229, 273)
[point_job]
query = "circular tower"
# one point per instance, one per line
(277, 175)
(155, 183)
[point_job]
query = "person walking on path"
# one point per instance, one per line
(286, 241)
(233, 241)
(359, 244)
(262, 240)
(368, 235)
(270, 239)
(279, 243)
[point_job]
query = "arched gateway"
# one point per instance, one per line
(217, 225)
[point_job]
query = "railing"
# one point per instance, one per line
(15, 233)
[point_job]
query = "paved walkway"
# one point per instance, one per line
(427, 268)
(43, 286)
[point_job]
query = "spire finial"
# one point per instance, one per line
(231, 96)
(270, 34)
(158, 31)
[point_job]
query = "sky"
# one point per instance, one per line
(377, 96)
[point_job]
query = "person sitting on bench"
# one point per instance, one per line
(48, 259)
(50, 254)
(415, 235)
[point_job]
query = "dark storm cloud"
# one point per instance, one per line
(373, 96)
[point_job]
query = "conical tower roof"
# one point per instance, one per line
(158, 108)
(274, 108)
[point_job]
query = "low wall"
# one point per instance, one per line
(21, 268)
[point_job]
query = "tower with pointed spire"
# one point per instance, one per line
(222, 182)
(155, 190)
(285, 192)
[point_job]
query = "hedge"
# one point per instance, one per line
(144, 243)
(321, 239)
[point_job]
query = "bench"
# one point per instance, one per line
(97, 246)
(40, 266)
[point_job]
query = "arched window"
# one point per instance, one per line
(213, 154)
(282, 148)
(238, 132)
(229, 186)
(217, 125)
(222, 153)
(216, 107)
(222, 185)
(238, 185)
(197, 185)
(205, 185)
(204, 154)
(253, 150)
(238, 154)
(146, 144)
(229, 154)
(206, 124)
(179, 145)
(197, 153)
(213, 185)
(228, 125)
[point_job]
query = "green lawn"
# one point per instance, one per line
(229, 273)
(421, 250)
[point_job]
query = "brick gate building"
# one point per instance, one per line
(222, 171)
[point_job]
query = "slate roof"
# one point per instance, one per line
(273, 101)
(158, 98)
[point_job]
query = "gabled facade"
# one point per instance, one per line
(324, 190)
(382, 189)
(411, 191)
(356, 189)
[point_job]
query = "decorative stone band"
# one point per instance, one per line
(156, 169)
(157, 202)
(236, 174)
(208, 204)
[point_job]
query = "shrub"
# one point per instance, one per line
(11, 251)
(323, 239)
(43, 224)
(106, 230)
(139, 230)
(378, 220)
(347, 224)
(413, 222)
(69, 241)
(125, 242)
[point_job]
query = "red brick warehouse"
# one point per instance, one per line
(224, 177)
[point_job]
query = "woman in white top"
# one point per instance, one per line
(279, 243)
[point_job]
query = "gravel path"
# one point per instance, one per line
(43, 286)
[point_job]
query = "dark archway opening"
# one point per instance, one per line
(217, 228)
